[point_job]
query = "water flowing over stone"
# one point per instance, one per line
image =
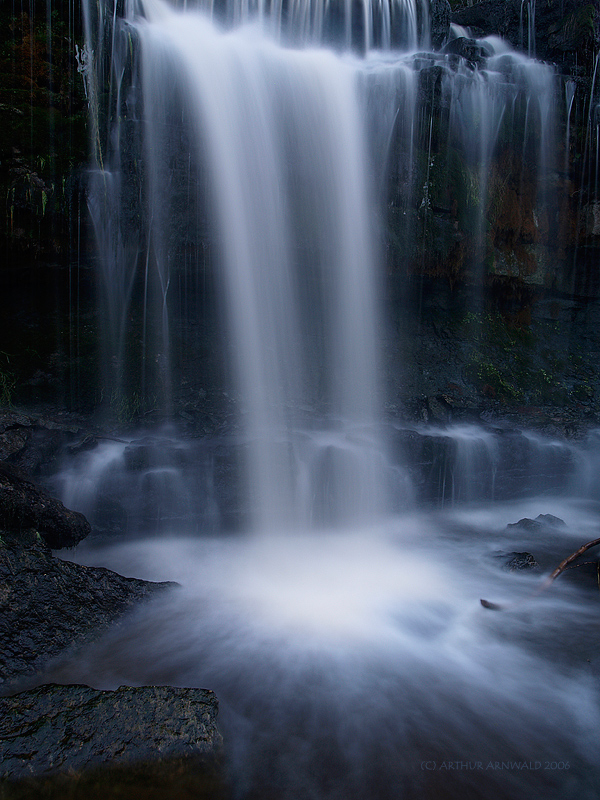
(362, 25)
(270, 163)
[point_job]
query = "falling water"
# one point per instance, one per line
(285, 152)
(527, 18)
(570, 87)
(362, 25)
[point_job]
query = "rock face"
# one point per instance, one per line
(152, 735)
(31, 442)
(439, 12)
(49, 605)
(25, 505)
(565, 32)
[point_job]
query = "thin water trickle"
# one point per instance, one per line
(570, 87)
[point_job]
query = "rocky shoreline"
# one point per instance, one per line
(74, 741)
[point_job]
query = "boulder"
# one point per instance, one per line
(67, 741)
(25, 505)
(30, 443)
(49, 605)
(541, 523)
(468, 49)
(516, 562)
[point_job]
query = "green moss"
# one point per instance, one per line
(582, 392)
(492, 380)
(509, 364)
(129, 406)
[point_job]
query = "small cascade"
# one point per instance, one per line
(527, 24)
(471, 132)
(510, 96)
(161, 484)
(362, 26)
(145, 486)
(586, 478)
(466, 463)
(464, 468)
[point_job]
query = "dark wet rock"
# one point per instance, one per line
(566, 33)
(438, 410)
(29, 442)
(517, 562)
(525, 524)
(88, 442)
(550, 519)
(466, 48)
(10, 418)
(39, 451)
(24, 505)
(81, 737)
(539, 524)
(15, 432)
(430, 83)
(13, 441)
(49, 605)
(439, 21)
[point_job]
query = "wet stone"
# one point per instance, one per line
(541, 522)
(57, 739)
(516, 562)
(50, 606)
(24, 504)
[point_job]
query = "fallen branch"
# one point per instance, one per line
(550, 579)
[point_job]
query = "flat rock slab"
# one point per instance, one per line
(55, 736)
(49, 605)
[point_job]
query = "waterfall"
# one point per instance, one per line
(251, 159)
(263, 172)
(284, 147)
(265, 146)
(362, 25)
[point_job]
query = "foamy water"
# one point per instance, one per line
(363, 665)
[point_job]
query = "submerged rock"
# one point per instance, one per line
(49, 605)
(516, 562)
(62, 741)
(541, 522)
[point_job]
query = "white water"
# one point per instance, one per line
(362, 25)
(283, 142)
(359, 663)
(362, 665)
